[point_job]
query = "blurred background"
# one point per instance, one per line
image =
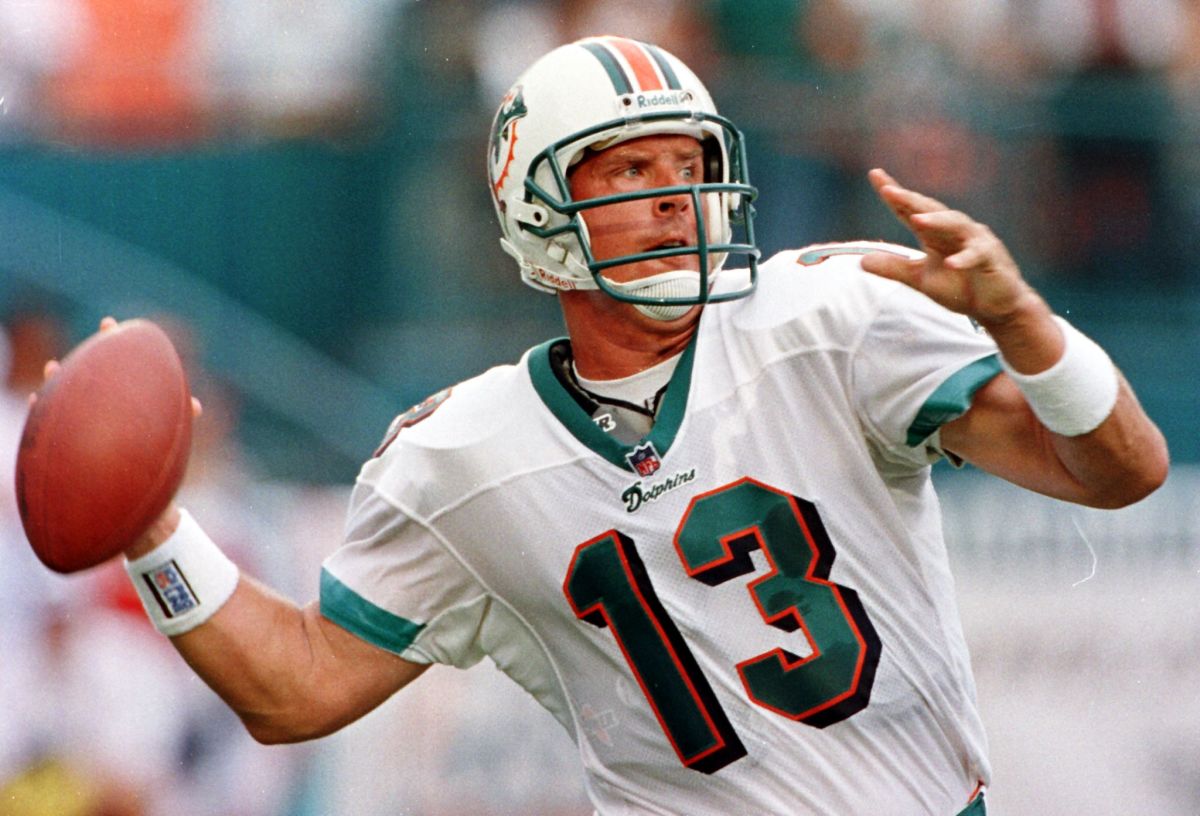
(296, 190)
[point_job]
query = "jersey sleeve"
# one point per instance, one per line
(395, 585)
(917, 367)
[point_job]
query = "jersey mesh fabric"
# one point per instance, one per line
(472, 528)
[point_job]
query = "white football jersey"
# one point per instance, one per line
(750, 610)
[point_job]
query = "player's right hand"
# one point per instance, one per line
(52, 366)
(156, 533)
(162, 528)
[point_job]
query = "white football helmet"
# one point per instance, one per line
(596, 93)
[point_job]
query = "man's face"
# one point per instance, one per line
(643, 224)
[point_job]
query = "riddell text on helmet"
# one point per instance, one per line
(551, 279)
(658, 100)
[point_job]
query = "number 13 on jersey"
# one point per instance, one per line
(607, 585)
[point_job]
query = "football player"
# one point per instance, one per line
(700, 530)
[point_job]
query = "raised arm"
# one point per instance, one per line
(1119, 459)
(288, 672)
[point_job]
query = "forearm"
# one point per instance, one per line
(1123, 457)
(288, 673)
(257, 654)
(1122, 461)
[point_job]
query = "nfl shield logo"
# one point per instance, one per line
(644, 459)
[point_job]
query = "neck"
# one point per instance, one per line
(610, 339)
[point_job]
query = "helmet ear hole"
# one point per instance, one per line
(714, 160)
(715, 171)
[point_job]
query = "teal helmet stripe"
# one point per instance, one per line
(661, 61)
(616, 73)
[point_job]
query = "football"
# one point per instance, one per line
(105, 446)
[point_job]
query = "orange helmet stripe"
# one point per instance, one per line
(637, 58)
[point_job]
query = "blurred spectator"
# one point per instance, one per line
(679, 26)
(975, 36)
(35, 335)
(1185, 67)
(471, 759)
(136, 76)
(160, 73)
(932, 71)
(1128, 36)
(510, 34)
(296, 67)
(35, 37)
(791, 77)
(31, 334)
(1113, 112)
(75, 718)
(61, 751)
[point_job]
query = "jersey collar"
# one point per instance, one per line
(560, 399)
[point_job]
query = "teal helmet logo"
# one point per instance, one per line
(504, 137)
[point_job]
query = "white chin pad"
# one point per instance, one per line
(681, 283)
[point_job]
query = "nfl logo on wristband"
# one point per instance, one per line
(171, 590)
(183, 581)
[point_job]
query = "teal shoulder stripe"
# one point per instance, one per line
(359, 616)
(615, 72)
(952, 398)
(664, 66)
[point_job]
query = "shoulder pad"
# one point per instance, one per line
(417, 413)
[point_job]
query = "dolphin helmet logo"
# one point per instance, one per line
(504, 131)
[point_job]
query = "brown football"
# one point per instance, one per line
(105, 446)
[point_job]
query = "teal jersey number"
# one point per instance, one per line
(607, 585)
(719, 531)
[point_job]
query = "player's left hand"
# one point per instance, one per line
(966, 268)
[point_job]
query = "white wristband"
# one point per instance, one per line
(1077, 393)
(184, 580)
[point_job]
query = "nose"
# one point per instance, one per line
(670, 204)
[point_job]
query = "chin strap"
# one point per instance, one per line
(678, 283)
(681, 283)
